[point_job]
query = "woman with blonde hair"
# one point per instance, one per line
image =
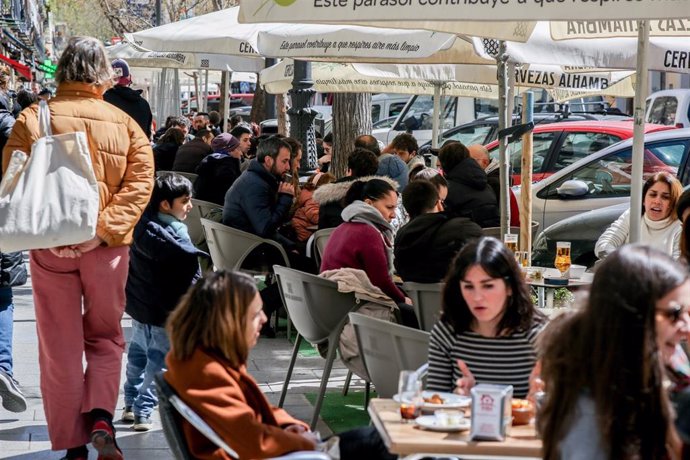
(211, 332)
(79, 290)
(660, 228)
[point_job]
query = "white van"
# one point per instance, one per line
(669, 107)
(387, 105)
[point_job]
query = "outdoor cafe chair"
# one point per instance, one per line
(496, 231)
(319, 312)
(388, 348)
(172, 407)
(200, 208)
(320, 240)
(229, 247)
(426, 301)
(191, 176)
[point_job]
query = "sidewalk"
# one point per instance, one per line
(25, 436)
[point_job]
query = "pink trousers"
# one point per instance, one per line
(79, 304)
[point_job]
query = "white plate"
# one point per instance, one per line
(430, 422)
(450, 400)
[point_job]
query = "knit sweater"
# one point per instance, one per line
(663, 235)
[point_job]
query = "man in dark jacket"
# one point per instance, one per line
(218, 171)
(259, 202)
(469, 193)
(426, 245)
(360, 163)
(127, 99)
(190, 154)
(480, 154)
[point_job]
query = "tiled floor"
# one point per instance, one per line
(25, 436)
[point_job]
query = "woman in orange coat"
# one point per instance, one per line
(211, 333)
(307, 213)
(79, 290)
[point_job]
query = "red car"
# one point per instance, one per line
(558, 145)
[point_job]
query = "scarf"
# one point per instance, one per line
(363, 213)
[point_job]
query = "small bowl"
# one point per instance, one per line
(523, 411)
(576, 271)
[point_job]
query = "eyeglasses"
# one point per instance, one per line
(674, 312)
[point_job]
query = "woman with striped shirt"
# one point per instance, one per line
(488, 326)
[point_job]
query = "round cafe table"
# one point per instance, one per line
(545, 291)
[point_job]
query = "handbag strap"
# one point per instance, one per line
(44, 119)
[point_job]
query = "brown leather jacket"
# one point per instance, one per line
(120, 153)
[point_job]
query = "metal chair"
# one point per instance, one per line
(427, 302)
(200, 209)
(496, 231)
(319, 313)
(191, 176)
(171, 407)
(229, 247)
(388, 348)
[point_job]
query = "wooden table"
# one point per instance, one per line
(408, 439)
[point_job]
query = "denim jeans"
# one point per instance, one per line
(6, 325)
(146, 357)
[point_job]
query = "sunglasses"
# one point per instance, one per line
(674, 312)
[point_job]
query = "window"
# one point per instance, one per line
(469, 135)
(610, 176)
(578, 145)
(375, 112)
(663, 111)
(395, 108)
(541, 145)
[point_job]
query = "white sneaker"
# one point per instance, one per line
(127, 414)
(12, 398)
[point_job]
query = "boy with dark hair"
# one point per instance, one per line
(405, 146)
(163, 263)
(430, 232)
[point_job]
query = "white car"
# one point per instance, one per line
(603, 178)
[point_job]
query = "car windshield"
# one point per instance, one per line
(610, 176)
(477, 134)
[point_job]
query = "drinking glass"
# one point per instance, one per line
(522, 258)
(410, 394)
(562, 262)
(511, 241)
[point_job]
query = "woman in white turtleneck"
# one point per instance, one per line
(660, 229)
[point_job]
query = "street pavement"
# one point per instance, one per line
(25, 435)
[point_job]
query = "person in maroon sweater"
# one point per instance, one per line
(364, 240)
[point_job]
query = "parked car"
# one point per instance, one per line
(384, 123)
(669, 107)
(387, 105)
(582, 231)
(558, 145)
(236, 100)
(485, 130)
(603, 178)
(416, 116)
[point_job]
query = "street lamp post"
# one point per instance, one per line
(302, 115)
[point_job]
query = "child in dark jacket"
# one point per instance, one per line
(163, 264)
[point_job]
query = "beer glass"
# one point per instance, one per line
(562, 262)
(511, 241)
(410, 394)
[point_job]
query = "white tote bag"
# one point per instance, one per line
(51, 198)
